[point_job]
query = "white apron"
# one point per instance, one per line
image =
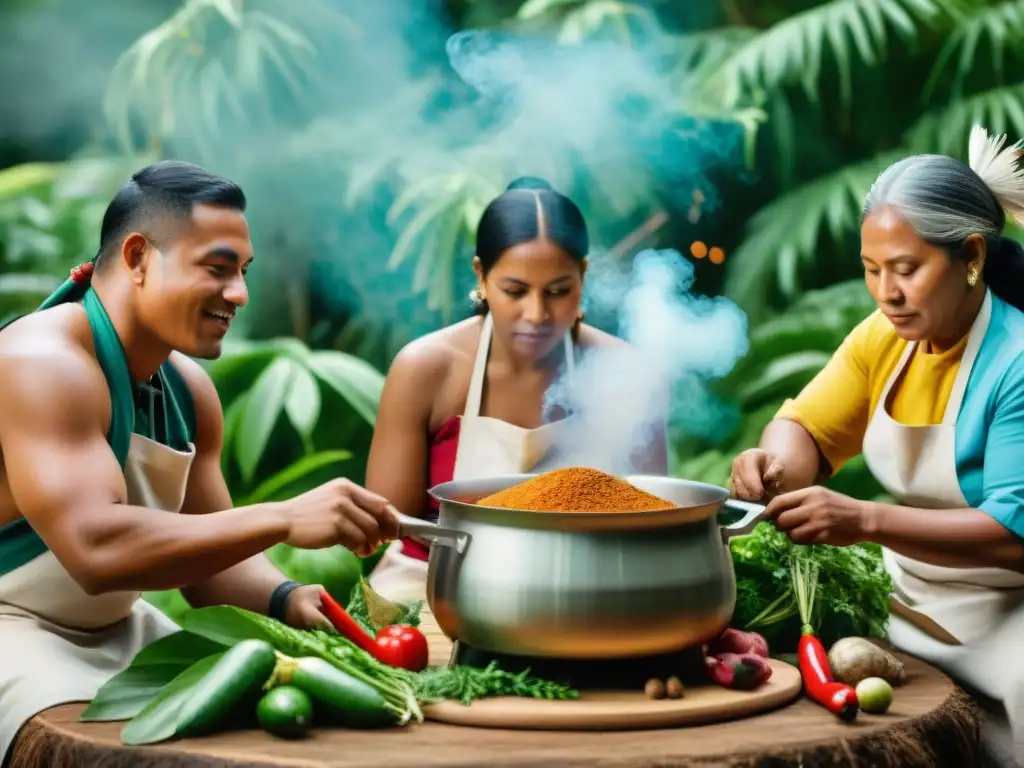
(59, 645)
(487, 447)
(967, 621)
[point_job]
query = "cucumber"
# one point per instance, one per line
(338, 696)
(285, 711)
(239, 674)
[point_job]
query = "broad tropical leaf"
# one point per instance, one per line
(158, 720)
(283, 484)
(263, 408)
(582, 18)
(209, 61)
(945, 130)
(789, 230)
(997, 29)
(355, 380)
(153, 668)
(851, 31)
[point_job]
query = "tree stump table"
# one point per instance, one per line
(932, 723)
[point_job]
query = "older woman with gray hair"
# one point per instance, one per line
(930, 388)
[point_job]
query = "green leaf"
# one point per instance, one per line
(997, 29)
(784, 377)
(21, 179)
(945, 130)
(793, 226)
(358, 382)
(534, 8)
(271, 488)
(226, 624)
(158, 721)
(127, 693)
(263, 408)
(791, 51)
(303, 402)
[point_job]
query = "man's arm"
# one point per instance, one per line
(66, 482)
(249, 583)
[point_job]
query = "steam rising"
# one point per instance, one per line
(622, 396)
(402, 101)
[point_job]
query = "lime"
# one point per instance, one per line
(874, 695)
(285, 711)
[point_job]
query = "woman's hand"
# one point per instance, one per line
(819, 516)
(756, 474)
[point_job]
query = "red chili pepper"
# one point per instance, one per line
(403, 646)
(345, 624)
(396, 645)
(838, 698)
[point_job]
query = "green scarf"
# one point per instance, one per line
(19, 543)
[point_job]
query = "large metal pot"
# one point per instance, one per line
(582, 585)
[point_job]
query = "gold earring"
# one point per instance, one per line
(476, 295)
(972, 276)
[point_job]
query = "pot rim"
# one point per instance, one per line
(455, 497)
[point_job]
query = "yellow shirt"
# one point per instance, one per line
(837, 404)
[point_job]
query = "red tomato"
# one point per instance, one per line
(402, 646)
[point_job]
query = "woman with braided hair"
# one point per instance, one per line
(930, 388)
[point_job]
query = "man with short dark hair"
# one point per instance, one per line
(108, 430)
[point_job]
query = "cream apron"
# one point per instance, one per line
(967, 621)
(57, 643)
(487, 447)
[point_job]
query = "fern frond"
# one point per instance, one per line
(1000, 27)
(791, 51)
(946, 130)
(789, 231)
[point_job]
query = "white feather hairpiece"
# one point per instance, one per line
(997, 167)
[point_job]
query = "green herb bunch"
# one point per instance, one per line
(468, 683)
(852, 597)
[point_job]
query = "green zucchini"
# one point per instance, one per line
(339, 697)
(238, 676)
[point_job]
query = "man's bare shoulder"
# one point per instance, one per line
(46, 357)
(199, 382)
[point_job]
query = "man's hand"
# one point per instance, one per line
(302, 609)
(340, 512)
(820, 516)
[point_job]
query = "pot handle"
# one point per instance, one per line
(752, 514)
(432, 532)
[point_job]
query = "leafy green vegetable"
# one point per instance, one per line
(468, 683)
(852, 596)
(228, 625)
(359, 609)
(127, 693)
(159, 719)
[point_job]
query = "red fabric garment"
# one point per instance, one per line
(441, 468)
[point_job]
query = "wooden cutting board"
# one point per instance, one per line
(622, 710)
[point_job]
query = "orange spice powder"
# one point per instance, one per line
(576, 489)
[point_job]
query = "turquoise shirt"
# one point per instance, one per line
(990, 426)
(19, 543)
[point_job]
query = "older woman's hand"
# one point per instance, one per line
(756, 475)
(818, 515)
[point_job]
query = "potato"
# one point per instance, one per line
(855, 658)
